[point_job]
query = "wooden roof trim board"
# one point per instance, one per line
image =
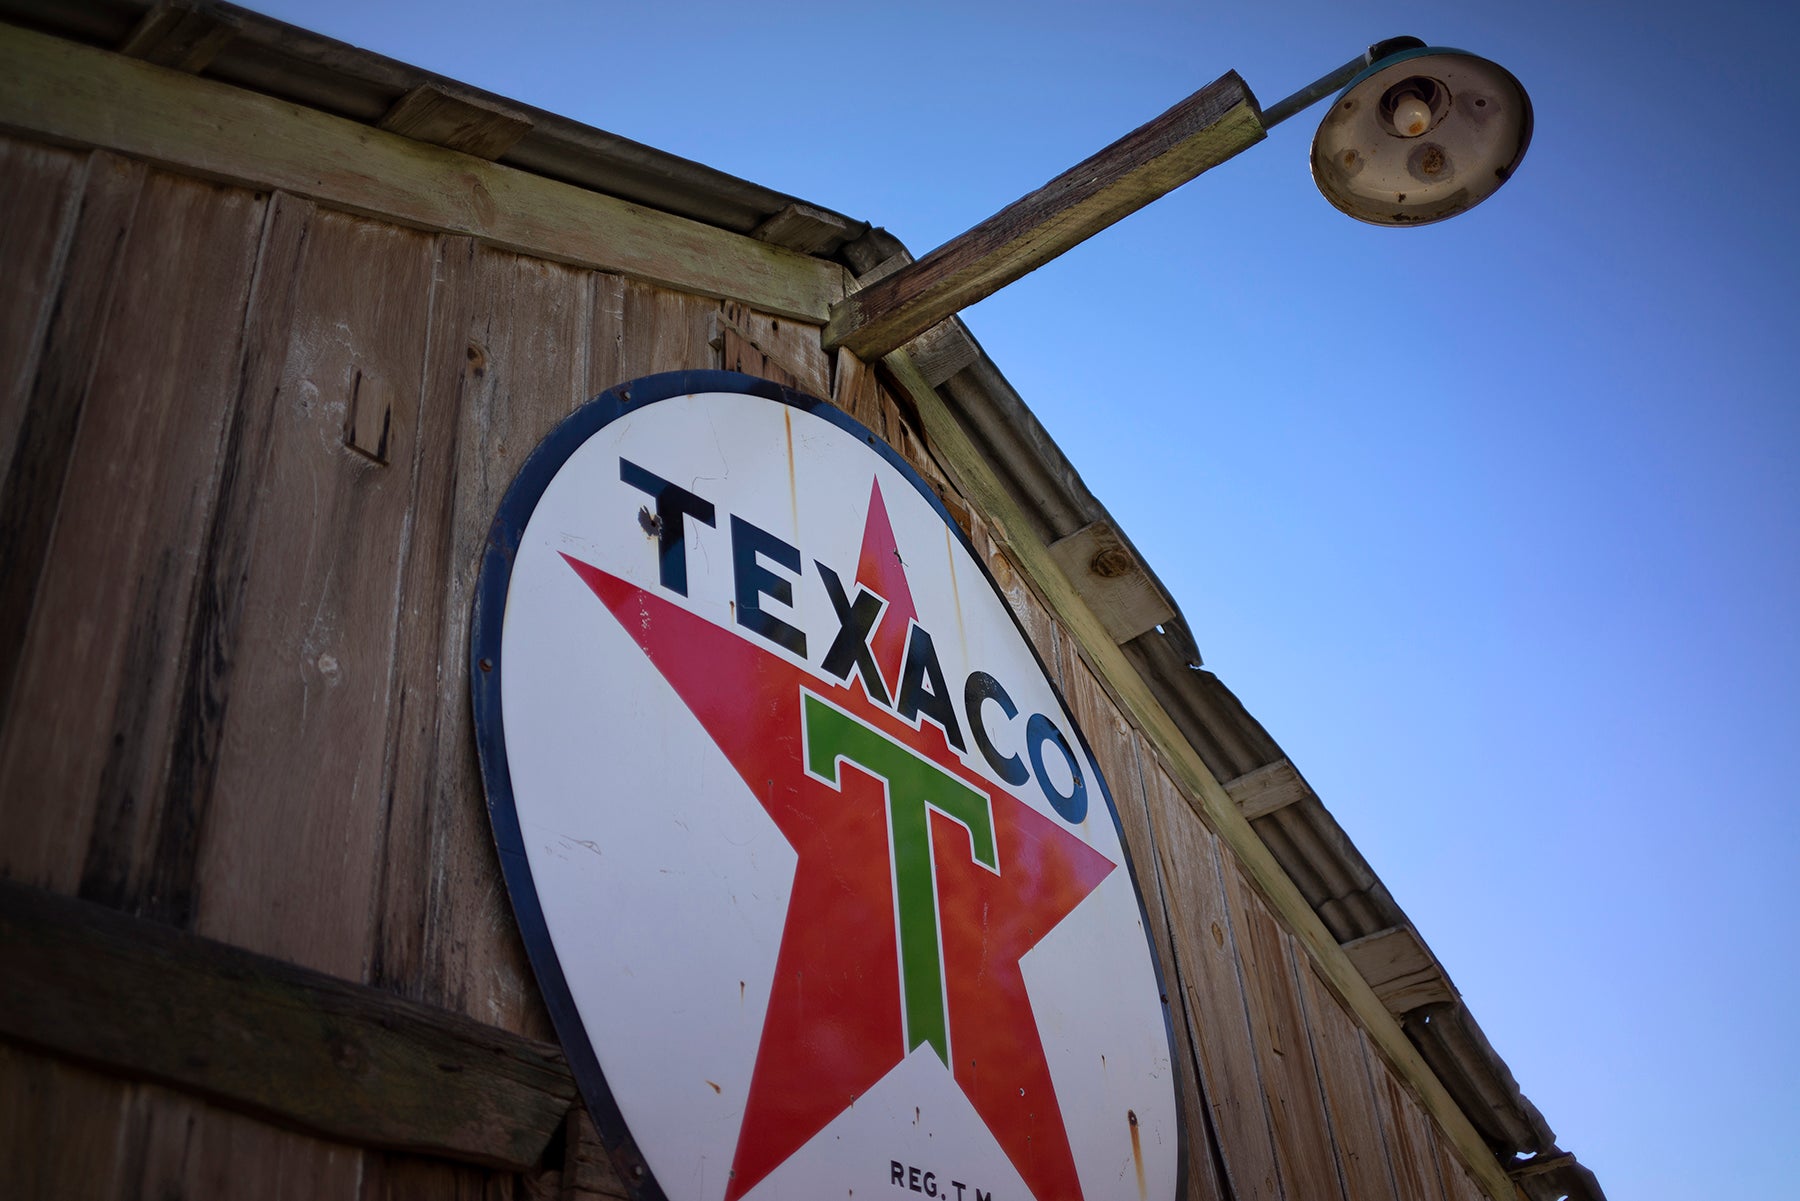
(63, 92)
(270, 56)
(679, 228)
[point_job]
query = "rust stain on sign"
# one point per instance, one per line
(1136, 1153)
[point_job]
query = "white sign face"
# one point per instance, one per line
(823, 886)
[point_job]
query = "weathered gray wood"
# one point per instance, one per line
(856, 390)
(145, 854)
(290, 859)
(1216, 1012)
(806, 229)
(1115, 748)
(1457, 1183)
(784, 351)
(943, 350)
(60, 1127)
(69, 93)
(40, 197)
(1297, 1113)
(178, 1145)
(1262, 791)
(1338, 1047)
(1400, 969)
(662, 330)
(413, 775)
(339, 1059)
(51, 339)
(86, 739)
(1109, 577)
(1201, 131)
(456, 120)
(588, 1170)
(518, 363)
(181, 34)
(1407, 1131)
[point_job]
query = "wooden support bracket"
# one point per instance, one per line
(456, 121)
(1109, 577)
(1400, 970)
(943, 350)
(1263, 790)
(1215, 123)
(806, 229)
(181, 35)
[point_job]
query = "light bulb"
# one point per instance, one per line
(1412, 116)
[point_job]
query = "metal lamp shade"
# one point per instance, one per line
(1421, 135)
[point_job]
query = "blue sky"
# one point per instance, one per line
(1494, 524)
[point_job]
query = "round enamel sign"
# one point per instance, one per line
(822, 884)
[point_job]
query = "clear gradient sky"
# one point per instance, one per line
(1494, 524)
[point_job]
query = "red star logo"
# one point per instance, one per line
(836, 1022)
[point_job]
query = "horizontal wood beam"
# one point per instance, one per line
(62, 92)
(342, 1060)
(1215, 123)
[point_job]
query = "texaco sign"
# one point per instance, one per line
(822, 884)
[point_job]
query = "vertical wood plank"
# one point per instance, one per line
(1040, 628)
(144, 854)
(391, 1177)
(791, 345)
(410, 837)
(1115, 749)
(94, 690)
(606, 338)
(291, 847)
(1407, 1131)
(738, 353)
(855, 390)
(40, 195)
(68, 1132)
(522, 363)
(664, 331)
(1206, 945)
(1339, 1047)
(1457, 1184)
(1289, 1075)
(41, 441)
(60, 1128)
(183, 1147)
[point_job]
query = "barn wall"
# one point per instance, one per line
(252, 445)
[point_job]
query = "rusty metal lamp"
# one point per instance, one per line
(1419, 133)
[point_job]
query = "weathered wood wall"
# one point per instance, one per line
(252, 446)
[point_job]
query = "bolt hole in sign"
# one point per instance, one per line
(821, 882)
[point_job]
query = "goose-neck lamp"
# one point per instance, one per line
(1414, 134)
(1419, 133)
